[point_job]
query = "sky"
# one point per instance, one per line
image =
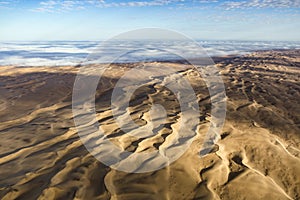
(26, 20)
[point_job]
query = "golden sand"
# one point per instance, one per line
(257, 157)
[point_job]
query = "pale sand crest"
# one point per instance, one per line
(258, 156)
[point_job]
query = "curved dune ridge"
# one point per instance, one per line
(257, 156)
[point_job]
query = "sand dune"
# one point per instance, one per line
(257, 157)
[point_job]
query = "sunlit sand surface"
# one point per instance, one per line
(257, 157)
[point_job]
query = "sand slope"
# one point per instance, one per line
(258, 156)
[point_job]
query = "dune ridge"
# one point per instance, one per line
(257, 156)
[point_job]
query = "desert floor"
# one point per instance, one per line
(257, 156)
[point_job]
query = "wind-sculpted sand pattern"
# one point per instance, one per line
(257, 157)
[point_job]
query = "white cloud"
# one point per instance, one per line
(262, 4)
(60, 6)
(208, 1)
(139, 3)
(6, 4)
(68, 5)
(48, 3)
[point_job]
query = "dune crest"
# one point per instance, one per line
(257, 156)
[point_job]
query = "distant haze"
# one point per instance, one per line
(53, 53)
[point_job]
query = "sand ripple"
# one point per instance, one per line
(258, 156)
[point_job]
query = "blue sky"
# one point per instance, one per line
(102, 19)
